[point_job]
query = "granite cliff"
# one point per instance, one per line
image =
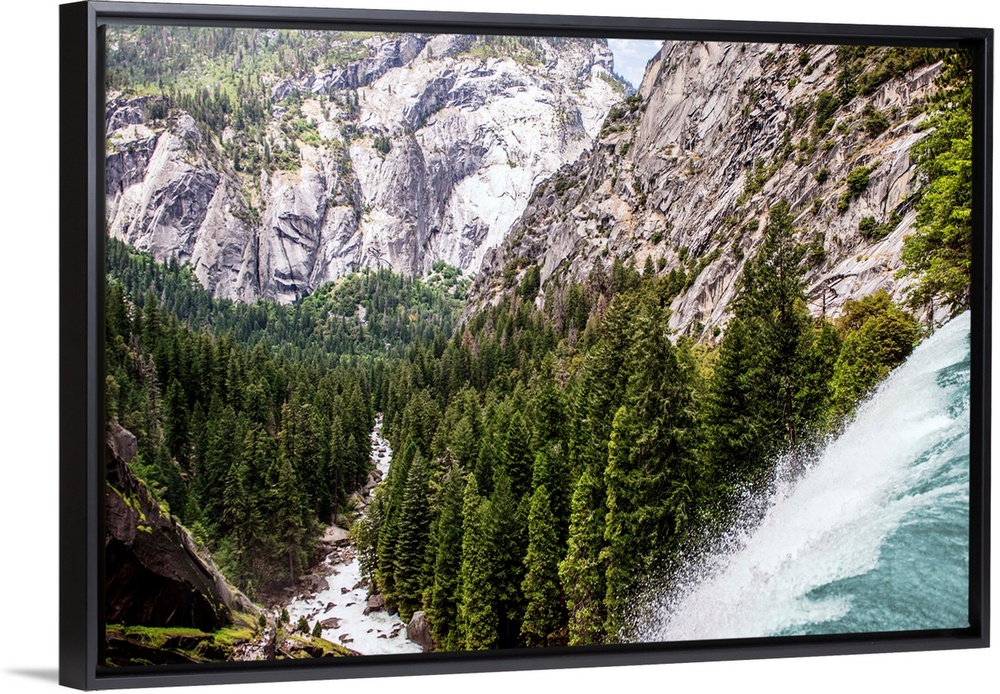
(414, 150)
(683, 174)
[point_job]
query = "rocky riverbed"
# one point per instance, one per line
(336, 595)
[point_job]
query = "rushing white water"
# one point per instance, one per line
(346, 598)
(873, 536)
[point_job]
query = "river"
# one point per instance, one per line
(343, 604)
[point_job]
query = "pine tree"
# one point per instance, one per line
(241, 514)
(478, 615)
(601, 389)
(176, 422)
(508, 545)
(336, 481)
(543, 613)
(287, 517)
(758, 405)
(552, 471)
(410, 567)
(651, 470)
(547, 406)
(582, 572)
(518, 458)
(446, 591)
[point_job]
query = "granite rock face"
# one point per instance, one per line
(156, 576)
(423, 148)
(685, 177)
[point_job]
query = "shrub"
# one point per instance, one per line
(877, 336)
(816, 250)
(826, 106)
(382, 143)
(875, 121)
(866, 226)
(800, 112)
(857, 180)
(869, 227)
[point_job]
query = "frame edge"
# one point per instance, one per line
(77, 436)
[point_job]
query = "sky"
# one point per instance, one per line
(631, 56)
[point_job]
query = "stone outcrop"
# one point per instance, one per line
(419, 631)
(156, 576)
(685, 177)
(422, 148)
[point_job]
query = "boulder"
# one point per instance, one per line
(155, 573)
(419, 631)
(331, 623)
(376, 603)
(313, 583)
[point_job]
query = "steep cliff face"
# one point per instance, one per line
(684, 177)
(155, 575)
(416, 149)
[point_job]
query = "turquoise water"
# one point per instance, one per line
(873, 536)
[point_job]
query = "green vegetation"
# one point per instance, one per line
(247, 428)
(757, 176)
(826, 107)
(536, 531)
(321, 328)
(618, 113)
(552, 450)
(857, 183)
(863, 69)
(939, 253)
(877, 336)
(875, 121)
(872, 230)
(382, 144)
(526, 50)
(223, 77)
(179, 644)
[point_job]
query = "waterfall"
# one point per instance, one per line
(872, 536)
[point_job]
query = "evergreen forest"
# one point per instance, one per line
(552, 452)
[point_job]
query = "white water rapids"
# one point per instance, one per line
(346, 598)
(872, 536)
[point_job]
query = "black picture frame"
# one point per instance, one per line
(81, 325)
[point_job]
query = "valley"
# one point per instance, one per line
(597, 331)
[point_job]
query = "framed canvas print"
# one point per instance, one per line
(426, 342)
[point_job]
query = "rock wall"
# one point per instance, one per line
(431, 156)
(155, 574)
(686, 179)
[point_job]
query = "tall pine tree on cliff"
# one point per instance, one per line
(761, 398)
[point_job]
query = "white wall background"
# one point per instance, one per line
(29, 386)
